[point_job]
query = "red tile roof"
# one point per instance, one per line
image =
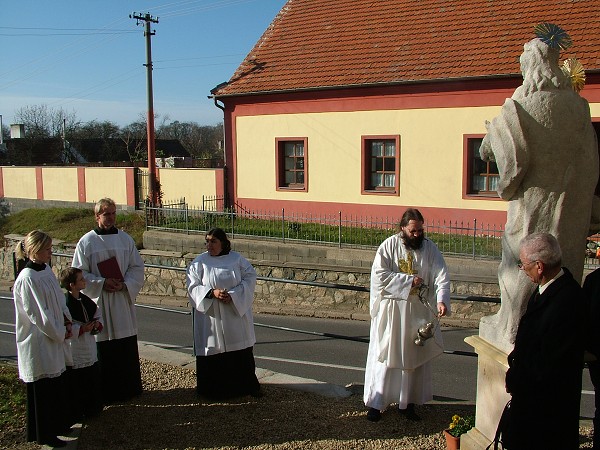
(343, 43)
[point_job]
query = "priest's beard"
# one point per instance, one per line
(413, 243)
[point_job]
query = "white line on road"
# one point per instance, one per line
(7, 324)
(163, 345)
(309, 363)
(7, 332)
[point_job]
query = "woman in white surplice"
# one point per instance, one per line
(221, 285)
(398, 370)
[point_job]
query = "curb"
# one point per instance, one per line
(165, 356)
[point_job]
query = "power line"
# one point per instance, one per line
(52, 56)
(63, 34)
(199, 57)
(62, 29)
(97, 88)
(49, 65)
(202, 7)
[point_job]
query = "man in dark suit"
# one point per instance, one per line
(544, 377)
(591, 288)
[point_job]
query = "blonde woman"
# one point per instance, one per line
(42, 325)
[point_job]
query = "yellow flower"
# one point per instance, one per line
(460, 425)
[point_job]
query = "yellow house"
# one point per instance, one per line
(368, 107)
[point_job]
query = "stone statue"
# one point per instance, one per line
(545, 147)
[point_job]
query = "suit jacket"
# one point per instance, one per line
(546, 366)
(591, 289)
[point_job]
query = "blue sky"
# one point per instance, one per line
(87, 56)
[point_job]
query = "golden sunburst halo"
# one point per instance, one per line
(573, 69)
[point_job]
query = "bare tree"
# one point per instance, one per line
(199, 141)
(97, 141)
(134, 136)
(42, 123)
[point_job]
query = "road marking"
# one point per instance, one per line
(309, 363)
(166, 346)
(8, 332)
(7, 324)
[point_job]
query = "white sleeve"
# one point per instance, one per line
(196, 289)
(94, 283)
(242, 295)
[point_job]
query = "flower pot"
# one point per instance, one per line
(452, 442)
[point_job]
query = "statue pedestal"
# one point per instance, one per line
(491, 394)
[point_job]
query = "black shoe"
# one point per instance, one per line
(373, 415)
(54, 442)
(67, 431)
(410, 413)
(257, 393)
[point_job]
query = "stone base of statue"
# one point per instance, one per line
(491, 393)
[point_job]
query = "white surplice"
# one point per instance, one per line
(220, 327)
(40, 325)
(398, 370)
(117, 308)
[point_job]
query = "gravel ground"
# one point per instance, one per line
(168, 415)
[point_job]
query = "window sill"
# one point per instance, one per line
(486, 196)
(292, 188)
(379, 192)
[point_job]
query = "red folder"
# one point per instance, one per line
(109, 268)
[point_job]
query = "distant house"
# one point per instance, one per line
(97, 150)
(368, 107)
(52, 151)
(32, 152)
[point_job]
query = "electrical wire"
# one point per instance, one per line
(71, 50)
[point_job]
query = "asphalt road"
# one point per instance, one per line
(328, 350)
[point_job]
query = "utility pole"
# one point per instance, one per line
(152, 173)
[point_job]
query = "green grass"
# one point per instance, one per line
(451, 242)
(67, 224)
(13, 399)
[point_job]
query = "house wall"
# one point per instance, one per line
(431, 143)
(431, 161)
(192, 184)
(431, 126)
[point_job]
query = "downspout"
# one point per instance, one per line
(226, 202)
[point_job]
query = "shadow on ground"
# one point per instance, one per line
(282, 418)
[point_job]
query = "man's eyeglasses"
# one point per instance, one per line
(522, 265)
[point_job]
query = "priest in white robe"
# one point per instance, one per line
(115, 295)
(410, 288)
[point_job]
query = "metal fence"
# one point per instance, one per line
(471, 239)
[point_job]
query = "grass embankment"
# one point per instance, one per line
(12, 407)
(67, 224)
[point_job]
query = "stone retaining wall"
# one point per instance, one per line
(299, 262)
